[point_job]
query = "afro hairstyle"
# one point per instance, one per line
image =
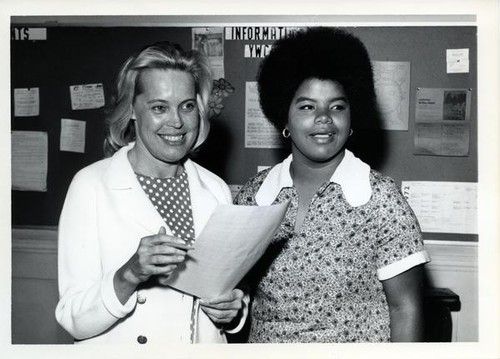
(324, 53)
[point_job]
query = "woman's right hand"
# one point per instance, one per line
(156, 255)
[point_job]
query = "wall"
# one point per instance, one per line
(34, 288)
(454, 265)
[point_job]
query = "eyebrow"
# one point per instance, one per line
(165, 101)
(305, 98)
(156, 100)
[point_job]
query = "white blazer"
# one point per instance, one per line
(105, 214)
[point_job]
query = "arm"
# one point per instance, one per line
(400, 257)
(92, 300)
(404, 296)
(82, 282)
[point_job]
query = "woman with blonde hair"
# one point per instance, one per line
(129, 220)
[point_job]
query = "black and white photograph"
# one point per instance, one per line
(207, 181)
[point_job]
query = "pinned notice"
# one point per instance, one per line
(443, 207)
(457, 61)
(29, 160)
(85, 97)
(442, 126)
(232, 241)
(27, 102)
(259, 133)
(210, 41)
(72, 135)
(392, 86)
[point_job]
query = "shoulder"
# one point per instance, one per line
(86, 182)
(257, 179)
(216, 185)
(387, 196)
(382, 184)
(208, 176)
(92, 172)
(246, 196)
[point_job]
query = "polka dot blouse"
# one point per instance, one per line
(171, 198)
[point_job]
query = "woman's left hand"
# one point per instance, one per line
(225, 308)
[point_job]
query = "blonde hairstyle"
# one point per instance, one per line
(164, 56)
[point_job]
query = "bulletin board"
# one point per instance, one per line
(83, 54)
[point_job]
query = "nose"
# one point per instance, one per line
(175, 120)
(324, 117)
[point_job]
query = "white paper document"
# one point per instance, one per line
(457, 61)
(443, 207)
(72, 135)
(442, 122)
(232, 241)
(210, 41)
(29, 160)
(443, 104)
(86, 97)
(392, 86)
(27, 102)
(259, 132)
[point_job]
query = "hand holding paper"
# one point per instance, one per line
(232, 241)
(225, 308)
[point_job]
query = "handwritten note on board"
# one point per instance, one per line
(86, 97)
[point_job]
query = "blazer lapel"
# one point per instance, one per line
(203, 202)
(138, 208)
(131, 201)
(127, 195)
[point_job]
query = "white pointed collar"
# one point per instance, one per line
(352, 174)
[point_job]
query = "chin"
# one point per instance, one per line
(172, 157)
(325, 157)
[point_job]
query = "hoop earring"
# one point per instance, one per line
(132, 113)
(286, 132)
(352, 131)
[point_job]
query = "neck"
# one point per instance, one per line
(311, 173)
(153, 168)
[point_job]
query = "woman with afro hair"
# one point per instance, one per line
(346, 264)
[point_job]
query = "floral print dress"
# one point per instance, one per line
(323, 284)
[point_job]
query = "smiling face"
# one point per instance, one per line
(319, 121)
(167, 121)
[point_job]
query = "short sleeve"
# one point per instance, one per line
(246, 195)
(399, 243)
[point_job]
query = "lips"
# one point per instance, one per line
(322, 135)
